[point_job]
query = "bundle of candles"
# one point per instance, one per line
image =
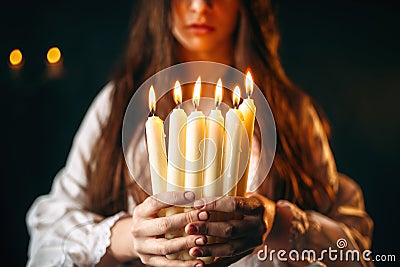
(206, 155)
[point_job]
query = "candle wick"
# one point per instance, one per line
(152, 112)
(179, 105)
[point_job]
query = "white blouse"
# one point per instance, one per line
(64, 233)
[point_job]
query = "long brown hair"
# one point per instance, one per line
(152, 47)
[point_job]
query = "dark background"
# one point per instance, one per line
(345, 54)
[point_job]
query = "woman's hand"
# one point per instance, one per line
(241, 235)
(148, 230)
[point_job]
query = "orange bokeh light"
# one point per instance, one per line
(53, 55)
(15, 57)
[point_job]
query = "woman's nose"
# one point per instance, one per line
(200, 6)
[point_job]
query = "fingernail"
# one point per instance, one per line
(198, 265)
(198, 204)
(199, 241)
(192, 229)
(197, 253)
(203, 215)
(189, 195)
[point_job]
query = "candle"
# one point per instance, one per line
(195, 145)
(213, 147)
(176, 157)
(232, 146)
(213, 158)
(176, 144)
(248, 110)
(156, 147)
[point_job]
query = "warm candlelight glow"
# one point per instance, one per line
(178, 93)
(236, 96)
(249, 84)
(152, 100)
(15, 57)
(196, 93)
(218, 93)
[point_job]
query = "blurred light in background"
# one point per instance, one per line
(53, 55)
(15, 57)
(54, 68)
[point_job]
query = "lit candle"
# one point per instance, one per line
(194, 152)
(195, 145)
(176, 157)
(176, 144)
(232, 145)
(156, 147)
(213, 158)
(248, 110)
(213, 147)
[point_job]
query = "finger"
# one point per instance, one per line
(153, 204)
(163, 246)
(230, 229)
(247, 206)
(229, 249)
(162, 261)
(172, 223)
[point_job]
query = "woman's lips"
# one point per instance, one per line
(200, 28)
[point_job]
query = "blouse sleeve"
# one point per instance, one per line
(63, 232)
(345, 227)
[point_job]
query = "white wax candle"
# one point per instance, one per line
(248, 110)
(195, 146)
(195, 152)
(213, 154)
(157, 155)
(232, 148)
(176, 150)
(176, 158)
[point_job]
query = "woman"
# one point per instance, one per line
(96, 215)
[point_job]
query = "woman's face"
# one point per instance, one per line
(204, 26)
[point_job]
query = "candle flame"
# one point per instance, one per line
(218, 93)
(152, 100)
(236, 96)
(249, 84)
(178, 93)
(196, 93)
